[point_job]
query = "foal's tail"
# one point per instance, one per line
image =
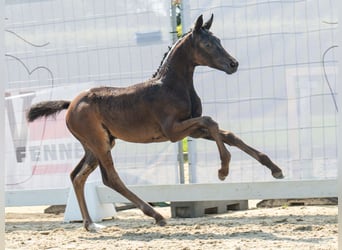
(46, 108)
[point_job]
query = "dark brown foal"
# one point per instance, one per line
(164, 108)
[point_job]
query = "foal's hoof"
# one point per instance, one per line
(161, 222)
(278, 175)
(94, 228)
(222, 174)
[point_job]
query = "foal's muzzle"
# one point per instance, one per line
(232, 67)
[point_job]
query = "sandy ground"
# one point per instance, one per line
(301, 227)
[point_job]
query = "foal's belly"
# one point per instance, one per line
(139, 132)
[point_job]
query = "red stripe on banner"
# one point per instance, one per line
(49, 128)
(52, 169)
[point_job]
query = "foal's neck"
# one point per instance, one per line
(178, 69)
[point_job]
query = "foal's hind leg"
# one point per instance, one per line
(100, 145)
(78, 177)
(111, 179)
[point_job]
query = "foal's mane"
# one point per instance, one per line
(170, 48)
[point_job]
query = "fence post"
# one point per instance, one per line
(192, 160)
(174, 39)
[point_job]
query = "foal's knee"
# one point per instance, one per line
(208, 122)
(231, 138)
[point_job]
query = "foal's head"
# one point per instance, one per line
(208, 49)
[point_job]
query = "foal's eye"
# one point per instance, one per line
(207, 45)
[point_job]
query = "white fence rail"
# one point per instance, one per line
(187, 192)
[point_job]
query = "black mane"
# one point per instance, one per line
(167, 52)
(161, 62)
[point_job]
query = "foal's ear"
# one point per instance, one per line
(198, 23)
(208, 24)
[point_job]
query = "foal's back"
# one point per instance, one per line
(132, 113)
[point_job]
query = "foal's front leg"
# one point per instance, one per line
(176, 131)
(232, 140)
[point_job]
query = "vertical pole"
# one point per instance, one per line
(2, 126)
(192, 160)
(173, 22)
(186, 17)
(174, 39)
(186, 25)
(181, 162)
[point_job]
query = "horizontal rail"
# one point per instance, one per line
(226, 191)
(186, 192)
(38, 197)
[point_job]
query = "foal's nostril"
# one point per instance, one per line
(234, 64)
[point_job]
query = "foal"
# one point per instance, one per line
(164, 108)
